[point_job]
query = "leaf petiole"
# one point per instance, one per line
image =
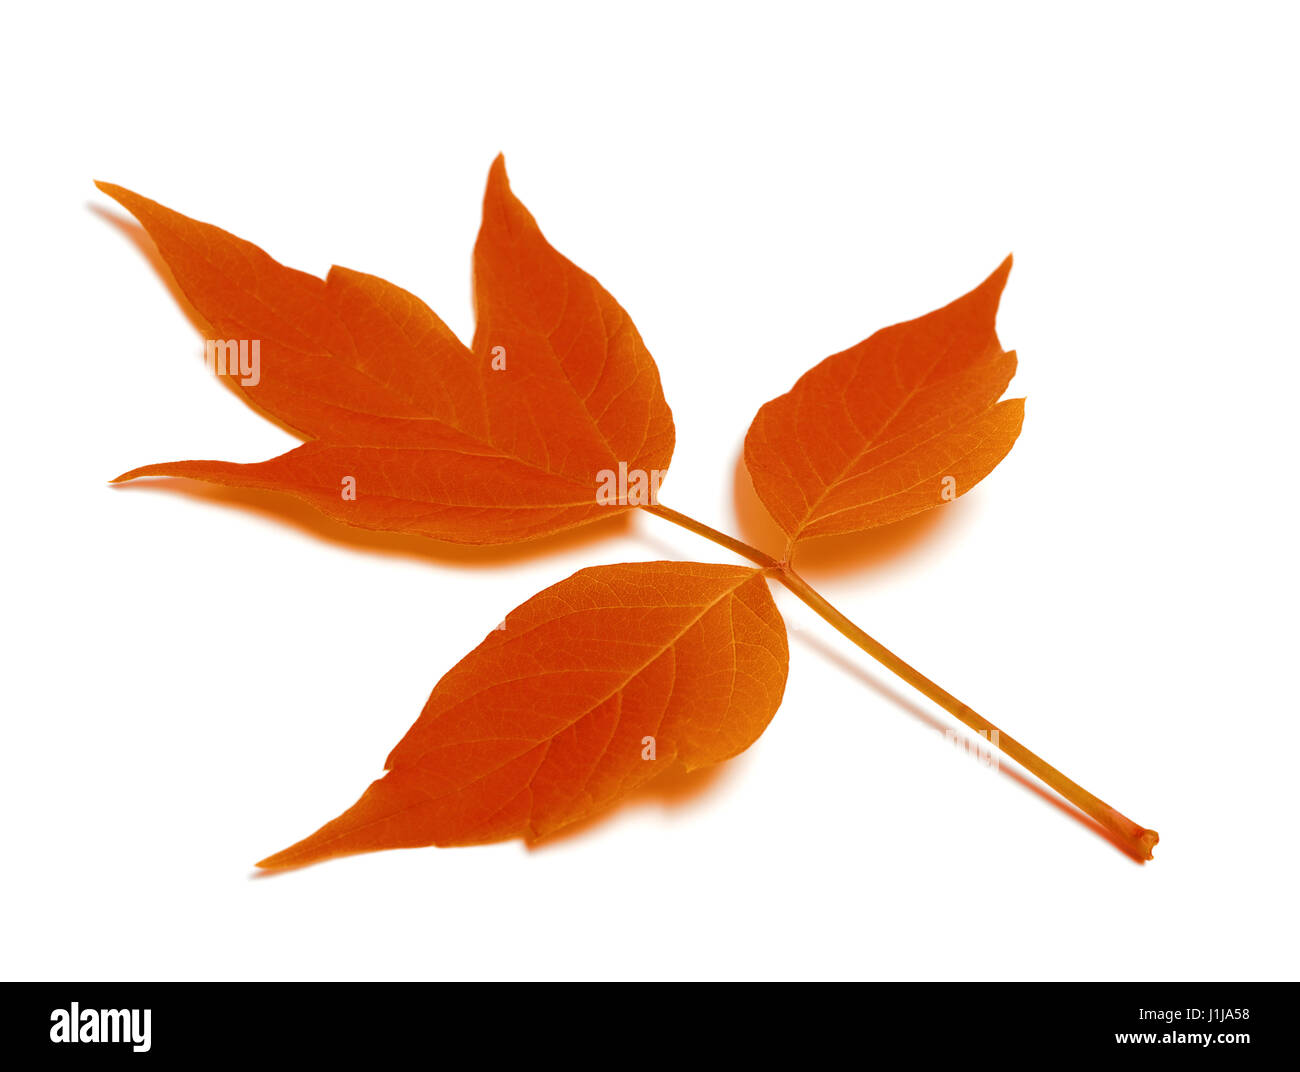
(701, 529)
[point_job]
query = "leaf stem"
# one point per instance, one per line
(1134, 839)
(701, 529)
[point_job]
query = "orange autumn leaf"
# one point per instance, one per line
(902, 422)
(410, 431)
(594, 686)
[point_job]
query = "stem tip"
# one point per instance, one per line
(1146, 842)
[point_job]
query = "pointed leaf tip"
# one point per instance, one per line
(998, 277)
(497, 175)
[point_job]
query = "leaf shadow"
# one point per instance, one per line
(305, 518)
(931, 721)
(673, 789)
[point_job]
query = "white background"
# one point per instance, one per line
(194, 679)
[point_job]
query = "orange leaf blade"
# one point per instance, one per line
(437, 492)
(549, 720)
(902, 422)
(413, 432)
